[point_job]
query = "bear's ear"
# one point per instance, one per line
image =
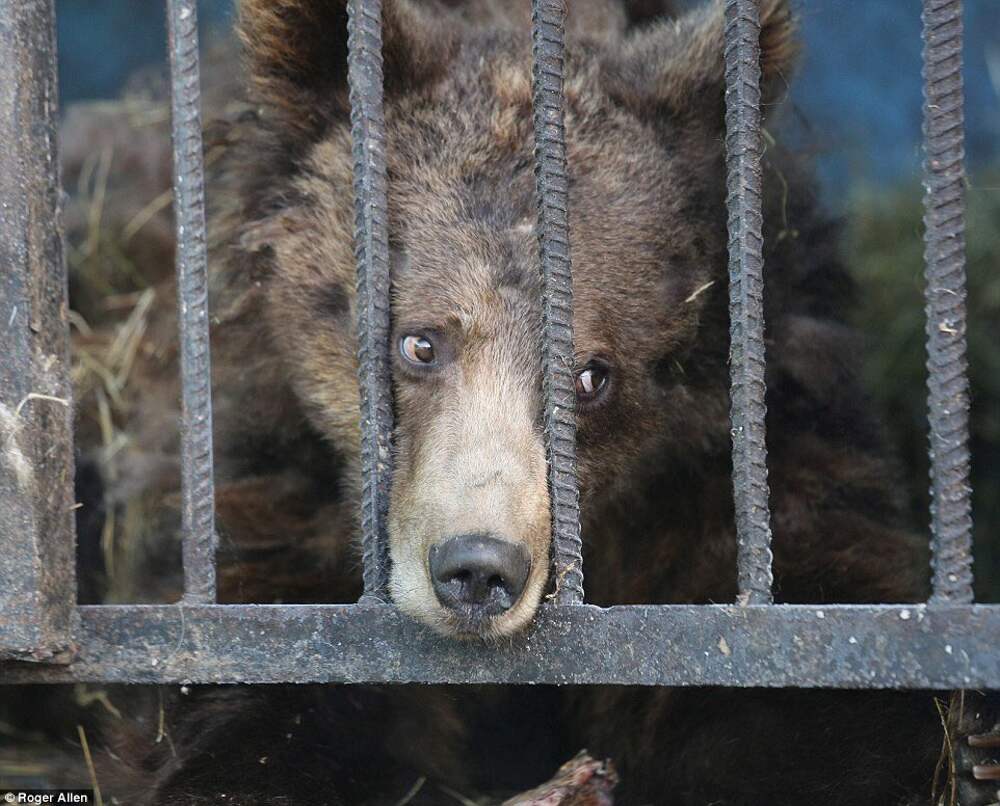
(296, 54)
(677, 68)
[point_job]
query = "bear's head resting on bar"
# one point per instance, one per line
(469, 514)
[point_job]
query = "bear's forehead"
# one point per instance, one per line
(484, 233)
(466, 249)
(463, 209)
(477, 124)
(483, 283)
(474, 274)
(460, 155)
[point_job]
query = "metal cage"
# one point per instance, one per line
(45, 637)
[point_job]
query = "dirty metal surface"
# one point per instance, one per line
(371, 249)
(197, 481)
(558, 381)
(744, 146)
(944, 257)
(37, 584)
(849, 646)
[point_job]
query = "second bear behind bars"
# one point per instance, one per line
(469, 508)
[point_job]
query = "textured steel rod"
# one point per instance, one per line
(197, 480)
(371, 246)
(37, 571)
(944, 258)
(746, 299)
(559, 389)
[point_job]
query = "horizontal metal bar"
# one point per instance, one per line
(197, 479)
(37, 583)
(846, 646)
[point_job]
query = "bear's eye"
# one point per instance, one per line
(417, 350)
(591, 381)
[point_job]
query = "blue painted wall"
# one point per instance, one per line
(859, 87)
(101, 42)
(856, 98)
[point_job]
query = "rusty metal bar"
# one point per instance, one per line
(847, 646)
(559, 390)
(197, 480)
(37, 583)
(746, 299)
(371, 246)
(944, 256)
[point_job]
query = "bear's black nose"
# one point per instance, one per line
(479, 575)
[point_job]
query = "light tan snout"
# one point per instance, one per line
(469, 511)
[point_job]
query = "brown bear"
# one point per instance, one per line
(469, 507)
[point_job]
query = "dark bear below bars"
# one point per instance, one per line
(644, 120)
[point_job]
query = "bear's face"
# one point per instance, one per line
(466, 332)
(469, 519)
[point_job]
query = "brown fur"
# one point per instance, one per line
(644, 135)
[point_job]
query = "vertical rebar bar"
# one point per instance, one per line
(944, 256)
(559, 391)
(372, 252)
(37, 572)
(197, 479)
(746, 299)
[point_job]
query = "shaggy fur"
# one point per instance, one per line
(644, 119)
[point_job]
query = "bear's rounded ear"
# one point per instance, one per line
(295, 53)
(676, 68)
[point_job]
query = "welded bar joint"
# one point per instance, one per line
(37, 582)
(746, 299)
(559, 392)
(197, 477)
(371, 246)
(944, 257)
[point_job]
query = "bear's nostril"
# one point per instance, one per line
(479, 575)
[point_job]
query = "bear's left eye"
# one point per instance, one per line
(591, 381)
(417, 350)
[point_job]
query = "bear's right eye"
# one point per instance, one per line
(418, 350)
